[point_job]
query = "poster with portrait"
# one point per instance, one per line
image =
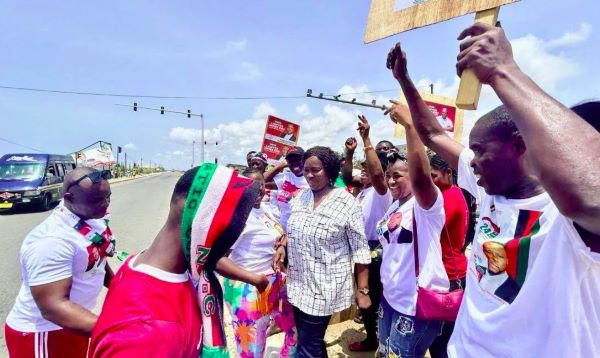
(445, 111)
(280, 136)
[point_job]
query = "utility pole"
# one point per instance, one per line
(193, 152)
(141, 162)
(125, 170)
(202, 137)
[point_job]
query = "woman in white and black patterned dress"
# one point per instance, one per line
(326, 235)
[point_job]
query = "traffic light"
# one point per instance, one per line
(119, 149)
(189, 114)
(162, 110)
(135, 106)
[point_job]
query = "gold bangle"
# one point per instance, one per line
(368, 147)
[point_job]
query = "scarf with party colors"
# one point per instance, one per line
(96, 231)
(216, 209)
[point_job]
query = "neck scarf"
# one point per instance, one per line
(217, 207)
(95, 231)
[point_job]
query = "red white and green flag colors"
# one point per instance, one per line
(216, 209)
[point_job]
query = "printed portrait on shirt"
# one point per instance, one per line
(391, 231)
(501, 267)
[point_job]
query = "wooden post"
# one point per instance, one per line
(470, 87)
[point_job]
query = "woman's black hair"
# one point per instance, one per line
(330, 160)
(436, 162)
(590, 112)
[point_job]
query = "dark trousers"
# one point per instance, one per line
(439, 347)
(311, 331)
(370, 315)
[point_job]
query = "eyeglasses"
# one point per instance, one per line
(95, 177)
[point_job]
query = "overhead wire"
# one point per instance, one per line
(106, 94)
(20, 145)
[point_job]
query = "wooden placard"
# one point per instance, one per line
(390, 17)
(436, 103)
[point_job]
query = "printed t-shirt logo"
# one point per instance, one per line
(488, 228)
(288, 192)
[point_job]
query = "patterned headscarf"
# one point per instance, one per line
(217, 206)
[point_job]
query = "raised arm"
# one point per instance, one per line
(374, 168)
(423, 187)
(350, 146)
(425, 123)
(562, 145)
(278, 168)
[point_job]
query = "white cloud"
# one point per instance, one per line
(572, 38)
(229, 48)
(247, 71)
(237, 45)
(303, 110)
(263, 110)
(130, 146)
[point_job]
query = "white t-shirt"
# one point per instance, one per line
(270, 202)
(539, 295)
(395, 232)
(253, 251)
(374, 207)
(289, 186)
(53, 251)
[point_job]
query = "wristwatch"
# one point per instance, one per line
(364, 291)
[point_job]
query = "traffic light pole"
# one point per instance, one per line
(202, 137)
(189, 114)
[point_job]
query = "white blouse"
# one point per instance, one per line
(322, 245)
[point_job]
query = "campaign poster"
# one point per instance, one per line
(98, 155)
(445, 112)
(280, 136)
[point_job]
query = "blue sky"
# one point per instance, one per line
(241, 48)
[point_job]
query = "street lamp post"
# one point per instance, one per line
(202, 137)
(193, 152)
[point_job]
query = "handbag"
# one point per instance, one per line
(434, 305)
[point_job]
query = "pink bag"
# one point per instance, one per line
(435, 305)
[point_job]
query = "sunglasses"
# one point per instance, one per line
(95, 177)
(393, 156)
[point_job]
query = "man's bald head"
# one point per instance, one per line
(86, 193)
(75, 174)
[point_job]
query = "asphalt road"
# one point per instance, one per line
(138, 209)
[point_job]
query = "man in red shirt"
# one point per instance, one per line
(152, 308)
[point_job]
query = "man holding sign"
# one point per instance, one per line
(533, 279)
